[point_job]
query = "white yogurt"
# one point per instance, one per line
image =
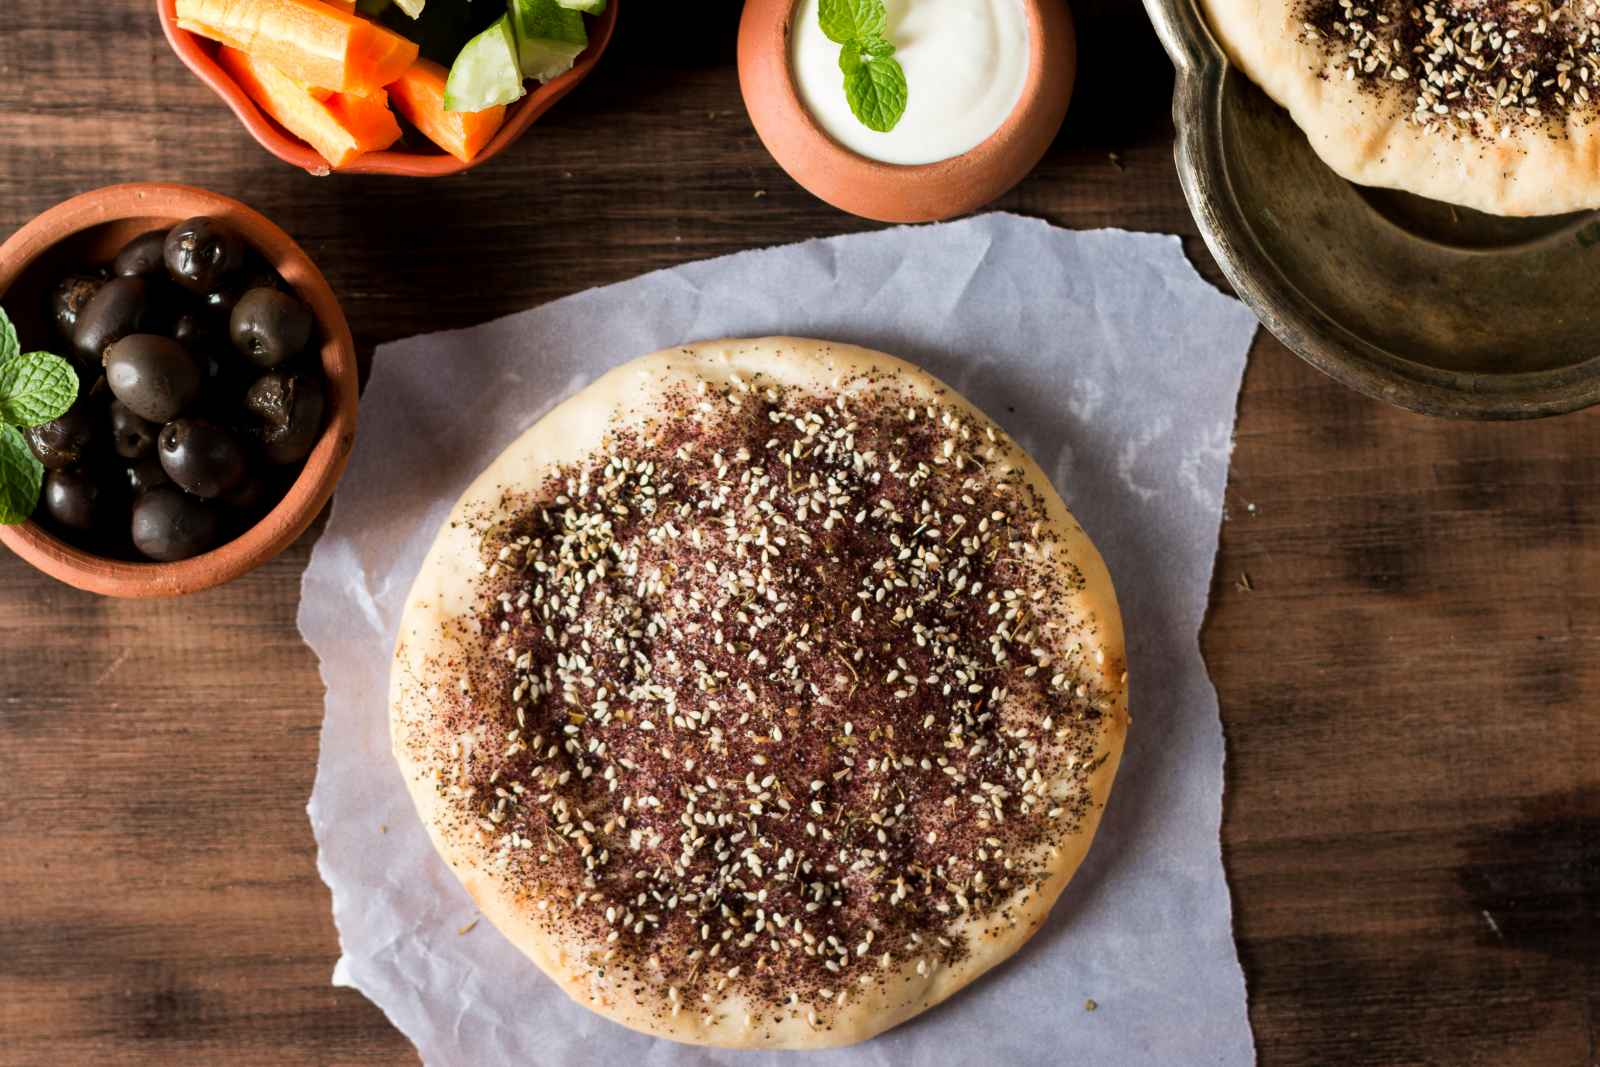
(965, 63)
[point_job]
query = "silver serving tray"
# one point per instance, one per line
(1435, 308)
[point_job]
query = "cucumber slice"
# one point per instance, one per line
(411, 7)
(588, 7)
(549, 37)
(485, 73)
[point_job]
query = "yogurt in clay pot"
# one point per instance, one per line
(965, 61)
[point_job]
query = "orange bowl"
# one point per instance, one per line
(89, 229)
(200, 56)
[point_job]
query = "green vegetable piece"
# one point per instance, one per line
(486, 73)
(588, 7)
(36, 387)
(21, 475)
(410, 7)
(550, 37)
(847, 20)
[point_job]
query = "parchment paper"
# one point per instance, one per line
(1104, 354)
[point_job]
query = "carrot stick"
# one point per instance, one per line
(367, 117)
(311, 42)
(419, 96)
(340, 127)
(387, 58)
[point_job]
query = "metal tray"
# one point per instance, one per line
(1431, 307)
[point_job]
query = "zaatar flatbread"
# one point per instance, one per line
(764, 693)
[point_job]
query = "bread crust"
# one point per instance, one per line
(441, 600)
(1366, 134)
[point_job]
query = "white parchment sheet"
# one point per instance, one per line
(1104, 354)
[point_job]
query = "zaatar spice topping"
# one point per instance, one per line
(1488, 67)
(776, 695)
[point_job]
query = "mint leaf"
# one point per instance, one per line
(846, 20)
(9, 345)
(21, 474)
(876, 89)
(855, 53)
(36, 387)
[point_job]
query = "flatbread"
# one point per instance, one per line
(695, 668)
(1483, 103)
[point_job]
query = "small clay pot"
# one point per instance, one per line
(89, 229)
(891, 192)
(199, 55)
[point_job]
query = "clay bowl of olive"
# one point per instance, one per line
(217, 388)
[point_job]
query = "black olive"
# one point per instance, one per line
(154, 376)
(146, 473)
(292, 407)
(169, 524)
(120, 307)
(74, 499)
(131, 436)
(201, 253)
(141, 257)
(67, 440)
(270, 398)
(201, 457)
(270, 326)
(69, 298)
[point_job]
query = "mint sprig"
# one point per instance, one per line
(21, 475)
(874, 82)
(35, 387)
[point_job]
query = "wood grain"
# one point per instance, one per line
(1405, 628)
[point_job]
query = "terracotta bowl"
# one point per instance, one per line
(90, 229)
(199, 55)
(890, 192)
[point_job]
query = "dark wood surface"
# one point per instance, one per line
(1405, 631)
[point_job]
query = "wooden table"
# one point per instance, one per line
(1405, 632)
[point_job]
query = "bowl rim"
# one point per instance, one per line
(309, 492)
(900, 192)
(1302, 327)
(196, 53)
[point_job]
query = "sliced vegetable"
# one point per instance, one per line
(340, 127)
(486, 73)
(414, 7)
(367, 117)
(342, 5)
(311, 42)
(549, 37)
(390, 57)
(588, 7)
(419, 96)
